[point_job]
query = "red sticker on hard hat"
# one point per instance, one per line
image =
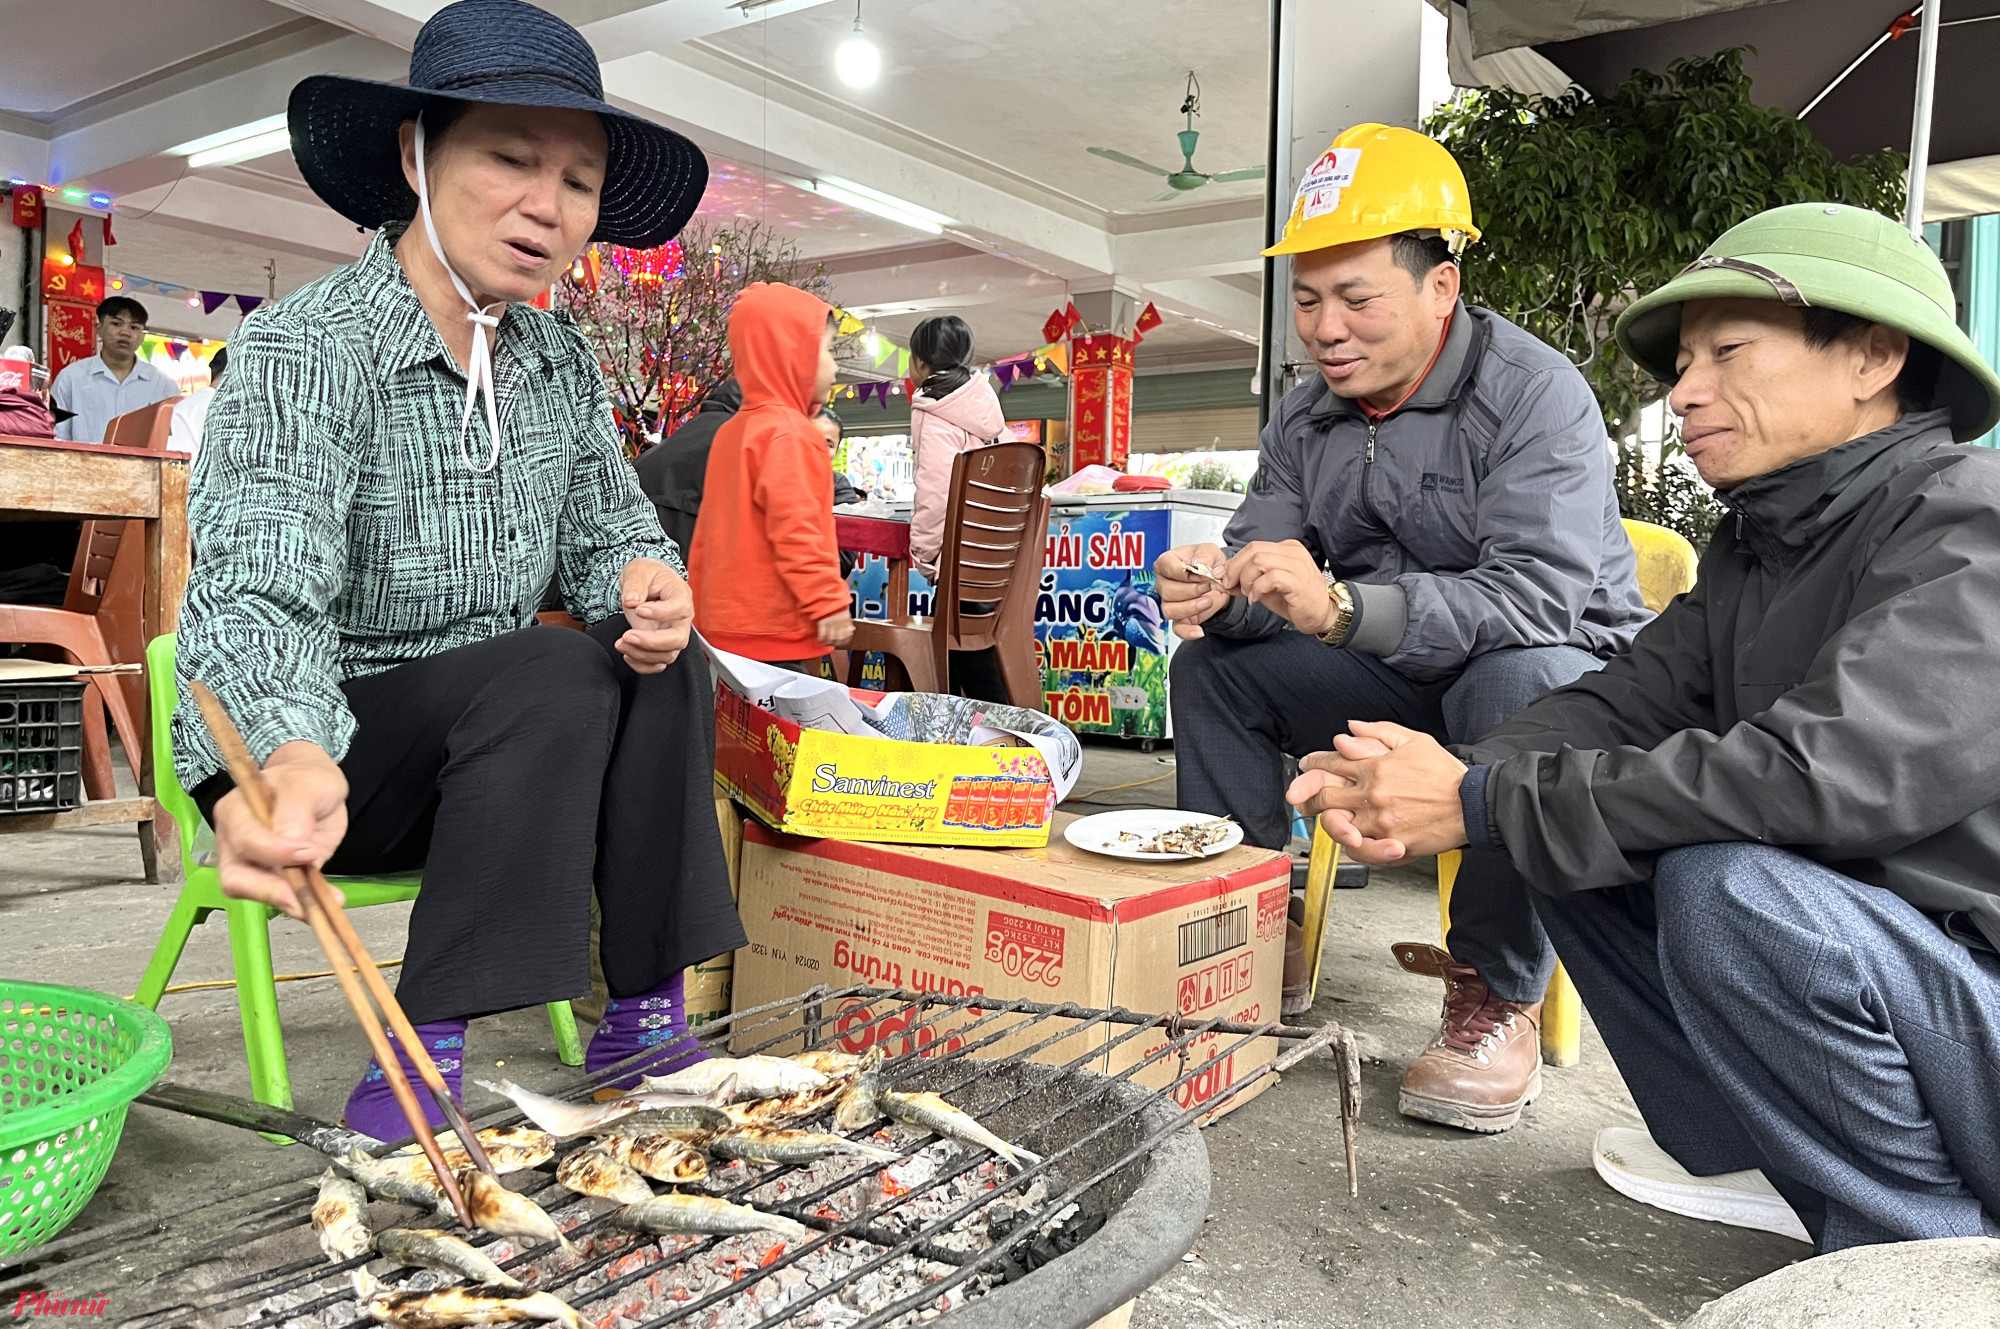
(1319, 192)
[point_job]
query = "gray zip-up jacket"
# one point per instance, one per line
(1479, 515)
(1828, 687)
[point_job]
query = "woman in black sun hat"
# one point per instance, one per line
(403, 456)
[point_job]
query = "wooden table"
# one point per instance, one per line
(42, 479)
(888, 538)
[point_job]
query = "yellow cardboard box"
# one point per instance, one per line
(822, 783)
(1202, 938)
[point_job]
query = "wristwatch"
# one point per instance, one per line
(1343, 611)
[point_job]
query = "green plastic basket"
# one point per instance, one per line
(71, 1062)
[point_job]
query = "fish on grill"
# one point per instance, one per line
(690, 1125)
(756, 1077)
(667, 1214)
(507, 1213)
(931, 1113)
(568, 1120)
(857, 1106)
(340, 1218)
(475, 1305)
(833, 1065)
(596, 1170)
(509, 1148)
(428, 1248)
(405, 1178)
(661, 1157)
(787, 1111)
(767, 1145)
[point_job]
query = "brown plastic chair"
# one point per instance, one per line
(146, 427)
(996, 524)
(76, 632)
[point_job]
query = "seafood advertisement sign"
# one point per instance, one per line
(1100, 638)
(1052, 925)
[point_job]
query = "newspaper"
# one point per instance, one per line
(910, 717)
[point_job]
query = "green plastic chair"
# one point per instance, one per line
(249, 921)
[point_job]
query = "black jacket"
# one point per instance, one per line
(1830, 686)
(673, 471)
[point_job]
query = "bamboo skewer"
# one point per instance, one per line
(352, 967)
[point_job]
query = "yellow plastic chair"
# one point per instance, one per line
(1667, 565)
(250, 921)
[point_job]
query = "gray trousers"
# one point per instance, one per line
(1768, 1012)
(1240, 706)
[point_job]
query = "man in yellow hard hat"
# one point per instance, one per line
(1431, 538)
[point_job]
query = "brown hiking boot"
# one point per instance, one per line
(1485, 1064)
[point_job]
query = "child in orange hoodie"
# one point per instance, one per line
(765, 567)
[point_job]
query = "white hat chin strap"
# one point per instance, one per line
(479, 373)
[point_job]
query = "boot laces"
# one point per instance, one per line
(1474, 1018)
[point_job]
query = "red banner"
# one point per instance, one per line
(80, 283)
(28, 207)
(72, 334)
(1100, 401)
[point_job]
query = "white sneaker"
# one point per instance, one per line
(1633, 1165)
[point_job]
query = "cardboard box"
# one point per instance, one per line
(707, 987)
(1054, 924)
(821, 783)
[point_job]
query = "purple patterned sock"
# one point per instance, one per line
(632, 1025)
(372, 1107)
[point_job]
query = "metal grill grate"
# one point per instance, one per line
(1095, 1131)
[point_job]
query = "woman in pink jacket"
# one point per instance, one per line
(954, 410)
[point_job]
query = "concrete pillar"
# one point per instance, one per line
(1335, 63)
(1100, 380)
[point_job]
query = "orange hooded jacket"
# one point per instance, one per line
(765, 567)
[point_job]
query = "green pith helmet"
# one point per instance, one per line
(1830, 256)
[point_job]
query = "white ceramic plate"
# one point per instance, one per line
(1108, 832)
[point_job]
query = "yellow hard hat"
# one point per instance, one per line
(1377, 180)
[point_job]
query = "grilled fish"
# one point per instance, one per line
(428, 1248)
(756, 1077)
(340, 1218)
(833, 1065)
(789, 1110)
(510, 1148)
(931, 1113)
(505, 1213)
(661, 1157)
(452, 1306)
(595, 1170)
(664, 1214)
(764, 1145)
(405, 1178)
(691, 1125)
(857, 1106)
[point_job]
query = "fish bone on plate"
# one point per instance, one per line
(1135, 833)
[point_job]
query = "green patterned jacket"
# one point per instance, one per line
(337, 532)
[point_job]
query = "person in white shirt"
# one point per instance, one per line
(99, 388)
(184, 430)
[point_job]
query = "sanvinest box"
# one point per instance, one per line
(1202, 938)
(809, 756)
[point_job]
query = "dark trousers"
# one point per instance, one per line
(516, 772)
(1768, 1012)
(1240, 706)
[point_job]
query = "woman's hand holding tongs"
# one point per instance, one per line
(308, 820)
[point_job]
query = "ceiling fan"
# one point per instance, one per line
(1186, 177)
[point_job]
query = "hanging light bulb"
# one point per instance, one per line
(857, 60)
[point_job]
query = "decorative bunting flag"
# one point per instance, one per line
(109, 239)
(213, 300)
(902, 363)
(76, 241)
(1071, 319)
(1149, 318)
(246, 303)
(1054, 329)
(177, 349)
(1005, 373)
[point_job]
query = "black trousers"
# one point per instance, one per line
(516, 773)
(1241, 706)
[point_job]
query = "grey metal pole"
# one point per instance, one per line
(1920, 122)
(1277, 187)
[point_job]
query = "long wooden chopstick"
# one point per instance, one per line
(317, 902)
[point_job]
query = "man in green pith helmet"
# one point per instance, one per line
(1766, 843)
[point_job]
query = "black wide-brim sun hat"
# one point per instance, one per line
(506, 53)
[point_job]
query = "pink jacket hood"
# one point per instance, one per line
(973, 407)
